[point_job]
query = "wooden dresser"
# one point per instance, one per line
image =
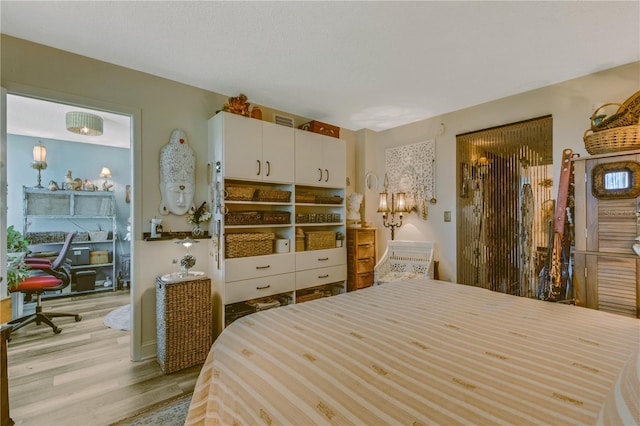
(607, 270)
(361, 257)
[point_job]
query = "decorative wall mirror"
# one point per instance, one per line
(616, 180)
(371, 181)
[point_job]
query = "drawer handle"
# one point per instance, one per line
(322, 259)
(323, 276)
(264, 287)
(263, 267)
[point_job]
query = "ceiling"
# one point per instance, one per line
(356, 65)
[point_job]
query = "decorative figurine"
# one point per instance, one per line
(177, 175)
(88, 186)
(237, 105)
(53, 185)
(70, 184)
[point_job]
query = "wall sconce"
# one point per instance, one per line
(398, 205)
(482, 166)
(84, 123)
(105, 173)
(39, 161)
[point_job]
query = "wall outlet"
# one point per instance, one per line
(447, 216)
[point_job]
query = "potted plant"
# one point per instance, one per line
(339, 238)
(17, 248)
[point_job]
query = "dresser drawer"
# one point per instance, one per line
(364, 266)
(364, 280)
(314, 277)
(366, 250)
(366, 236)
(320, 258)
(238, 291)
(258, 266)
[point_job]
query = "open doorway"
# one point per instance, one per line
(83, 185)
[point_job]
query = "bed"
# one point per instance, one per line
(418, 352)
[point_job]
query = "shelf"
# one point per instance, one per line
(175, 236)
(259, 225)
(97, 265)
(74, 243)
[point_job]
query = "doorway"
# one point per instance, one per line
(33, 121)
(504, 205)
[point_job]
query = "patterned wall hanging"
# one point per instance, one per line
(411, 169)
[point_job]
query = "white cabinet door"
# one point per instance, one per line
(277, 153)
(334, 154)
(308, 158)
(320, 160)
(242, 147)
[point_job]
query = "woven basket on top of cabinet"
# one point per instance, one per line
(625, 138)
(627, 114)
(249, 244)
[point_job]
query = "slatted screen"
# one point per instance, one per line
(504, 205)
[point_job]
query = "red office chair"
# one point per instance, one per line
(50, 276)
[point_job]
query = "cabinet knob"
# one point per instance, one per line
(323, 276)
(259, 168)
(320, 175)
(264, 287)
(268, 168)
(322, 259)
(327, 173)
(263, 267)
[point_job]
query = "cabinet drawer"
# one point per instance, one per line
(366, 236)
(313, 277)
(258, 266)
(238, 291)
(364, 280)
(364, 266)
(320, 258)
(365, 251)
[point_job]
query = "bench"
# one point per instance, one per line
(405, 259)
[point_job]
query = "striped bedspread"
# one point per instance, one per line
(416, 352)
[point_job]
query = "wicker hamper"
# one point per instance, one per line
(249, 244)
(319, 240)
(239, 193)
(625, 138)
(183, 318)
(627, 114)
(276, 217)
(242, 218)
(272, 195)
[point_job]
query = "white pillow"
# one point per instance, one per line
(622, 405)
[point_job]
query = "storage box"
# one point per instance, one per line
(98, 235)
(249, 244)
(98, 257)
(322, 128)
(319, 240)
(85, 280)
(79, 255)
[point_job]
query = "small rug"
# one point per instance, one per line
(172, 412)
(119, 319)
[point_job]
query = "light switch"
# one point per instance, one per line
(447, 216)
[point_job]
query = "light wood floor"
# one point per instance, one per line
(84, 376)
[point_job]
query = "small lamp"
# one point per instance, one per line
(84, 123)
(188, 261)
(39, 161)
(398, 205)
(105, 173)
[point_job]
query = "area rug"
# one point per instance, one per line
(172, 412)
(119, 319)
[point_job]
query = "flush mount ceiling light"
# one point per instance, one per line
(84, 123)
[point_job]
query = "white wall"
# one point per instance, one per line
(570, 103)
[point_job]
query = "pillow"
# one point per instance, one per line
(622, 404)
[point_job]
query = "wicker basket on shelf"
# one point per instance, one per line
(277, 218)
(272, 195)
(627, 114)
(305, 198)
(249, 244)
(239, 193)
(321, 199)
(625, 138)
(319, 240)
(243, 218)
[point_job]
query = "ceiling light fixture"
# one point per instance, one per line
(84, 123)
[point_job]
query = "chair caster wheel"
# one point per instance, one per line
(78, 318)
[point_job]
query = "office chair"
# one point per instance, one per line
(50, 276)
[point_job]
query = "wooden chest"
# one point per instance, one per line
(322, 128)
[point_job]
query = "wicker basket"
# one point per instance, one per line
(305, 198)
(310, 296)
(98, 257)
(280, 218)
(617, 139)
(249, 244)
(627, 114)
(239, 193)
(272, 195)
(321, 199)
(319, 240)
(242, 218)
